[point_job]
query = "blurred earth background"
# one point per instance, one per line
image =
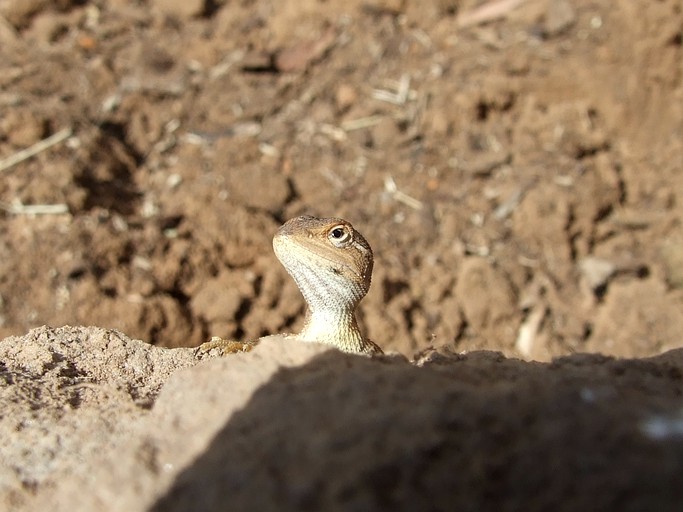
(516, 167)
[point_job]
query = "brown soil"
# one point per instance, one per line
(519, 180)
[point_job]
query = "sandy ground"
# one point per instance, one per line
(518, 174)
(92, 420)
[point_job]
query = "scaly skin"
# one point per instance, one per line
(331, 264)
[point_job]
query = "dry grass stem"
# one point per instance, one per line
(490, 11)
(18, 208)
(37, 148)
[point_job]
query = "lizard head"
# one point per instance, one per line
(328, 259)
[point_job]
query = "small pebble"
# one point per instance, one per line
(181, 8)
(345, 96)
(596, 271)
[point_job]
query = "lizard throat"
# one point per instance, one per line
(333, 328)
(332, 302)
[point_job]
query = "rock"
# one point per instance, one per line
(97, 421)
(539, 223)
(8, 34)
(300, 55)
(386, 134)
(389, 6)
(181, 8)
(485, 296)
(69, 395)
(630, 320)
(23, 129)
(72, 355)
(217, 300)
(47, 27)
(559, 16)
(255, 186)
(19, 13)
(345, 96)
(596, 271)
(672, 257)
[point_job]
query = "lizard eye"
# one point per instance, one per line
(340, 236)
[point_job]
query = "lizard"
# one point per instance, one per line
(331, 263)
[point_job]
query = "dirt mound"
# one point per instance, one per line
(517, 171)
(93, 420)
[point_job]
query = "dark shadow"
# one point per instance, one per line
(107, 175)
(466, 433)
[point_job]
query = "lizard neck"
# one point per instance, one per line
(330, 317)
(332, 265)
(334, 327)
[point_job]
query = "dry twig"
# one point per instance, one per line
(490, 11)
(401, 94)
(391, 188)
(37, 148)
(17, 208)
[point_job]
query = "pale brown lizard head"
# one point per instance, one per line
(331, 263)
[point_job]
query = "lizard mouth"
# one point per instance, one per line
(334, 265)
